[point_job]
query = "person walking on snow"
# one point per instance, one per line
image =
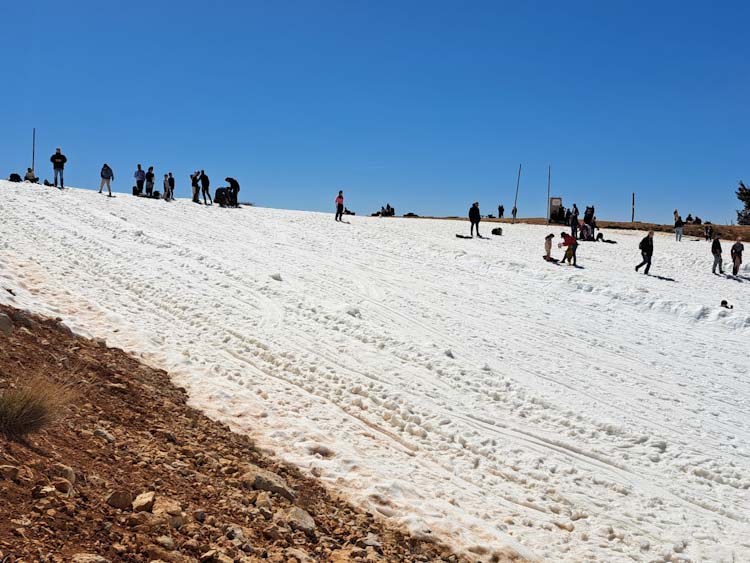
(107, 177)
(150, 181)
(647, 250)
(716, 251)
(140, 177)
(474, 218)
(205, 184)
(572, 244)
(340, 205)
(678, 224)
(737, 249)
(58, 161)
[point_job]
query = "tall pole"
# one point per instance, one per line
(515, 202)
(33, 148)
(632, 210)
(549, 178)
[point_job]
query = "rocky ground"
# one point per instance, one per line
(131, 473)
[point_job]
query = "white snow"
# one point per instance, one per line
(465, 388)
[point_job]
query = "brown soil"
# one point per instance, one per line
(129, 431)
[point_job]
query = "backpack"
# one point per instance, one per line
(14, 178)
(497, 231)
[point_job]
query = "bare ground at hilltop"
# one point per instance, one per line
(71, 492)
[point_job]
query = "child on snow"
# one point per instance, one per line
(548, 247)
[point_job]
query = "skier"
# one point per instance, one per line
(232, 191)
(737, 249)
(716, 251)
(58, 161)
(339, 205)
(548, 248)
(171, 186)
(475, 217)
(150, 181)
(678, 224)
(140, 177)
(107, 176)
(647, 250)
(205, 184)
(500, 211)
(165, 187)
(572, 244)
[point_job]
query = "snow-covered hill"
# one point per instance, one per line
(464, 387)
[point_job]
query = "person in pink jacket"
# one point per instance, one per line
(340, 205)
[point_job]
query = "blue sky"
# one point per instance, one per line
(428, 105)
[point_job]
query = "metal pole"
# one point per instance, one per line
(549, 178)
(33, 148)
(515, 202)
(632, 210)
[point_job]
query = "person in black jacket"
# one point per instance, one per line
(647, 250)
(205, 184)
(475, 217)
(736, 252)
(716, 251)
(171, 186)
(678, 224)
(195, 187)
(232, 191)
(58, 161)
(150, 181)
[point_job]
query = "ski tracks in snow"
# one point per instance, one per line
(463, 387)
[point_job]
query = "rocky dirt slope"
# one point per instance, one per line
(131, 473)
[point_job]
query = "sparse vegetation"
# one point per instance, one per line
(31, 405)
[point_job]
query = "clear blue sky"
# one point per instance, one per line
(428, 105)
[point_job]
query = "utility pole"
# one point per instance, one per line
(33, 148)
(515, 202)
(632, 210)
(549, 178)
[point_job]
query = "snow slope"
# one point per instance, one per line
(463, 387)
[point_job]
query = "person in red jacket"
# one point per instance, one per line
(572, 244)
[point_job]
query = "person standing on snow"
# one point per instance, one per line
(474, 218)
(58, 161)
(205, 184)
(171, 186)
(572, 244)
(340, 205)
(500, 211)
(514, 212)
(150, 181)
(165, 187)
(107, 176)
(140, 177)
(737, 249)
(678, 224)
(716, 251)
(548, 247)
(194, 185)
(574, 222)
(647, 250)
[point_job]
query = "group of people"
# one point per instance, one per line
(501, 211)
(145, 181)
(386, 211)
(646, 247)
(679, 225)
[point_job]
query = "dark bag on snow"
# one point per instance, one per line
(497, 231)
(220, 196)
(14, 178)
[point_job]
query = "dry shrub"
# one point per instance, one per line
(32, 405)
